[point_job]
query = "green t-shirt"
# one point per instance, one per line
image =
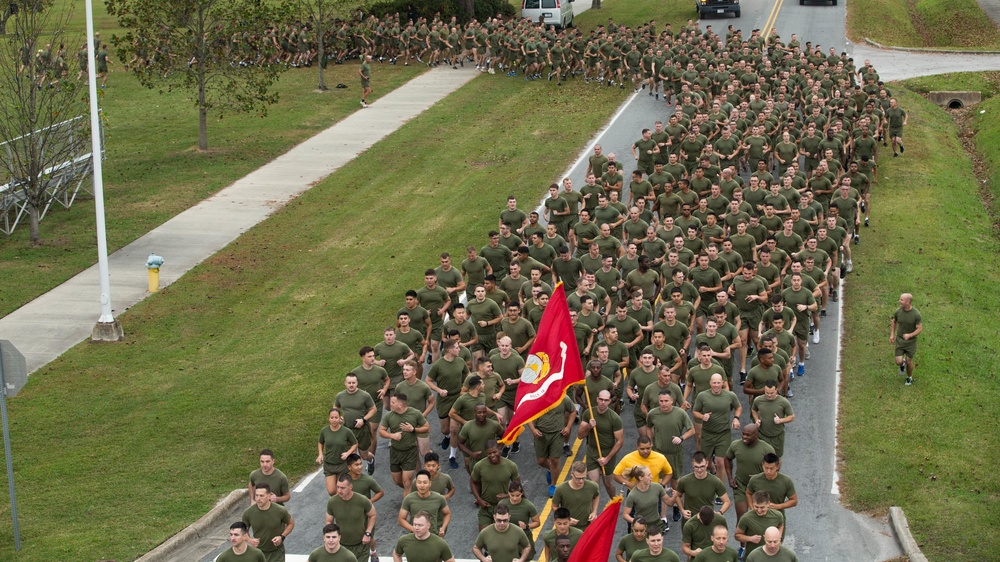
(250, 555)
(503, 547)
(698, 535)
(749, 459)
(321, 555)
(579, 502)
(353, 406)
(417, 394)
(434, 504)
(448, 375)
(431, 549)
(351, 516)
(646, 504)
(699, 493)
(607, 424)
(780, 489)
(335, 443)
(554, 420)
(371, 380)
(783, 555)
(475, 436)
(365, 485)
(666, 555)
(266, 524)
(720, 405)
(906, 322)
(709, 555)
(392, 354)
(628, 545)
(493, 479)
(442, 484)
(465, 405)
(767, 409)
(549, 538)
(752, 524)
(277, 481)
(521, 512)
(666, 426)
(392, 421)
(700, 378)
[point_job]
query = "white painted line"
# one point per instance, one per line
(587, 152)
(834, 487)
(305, 481)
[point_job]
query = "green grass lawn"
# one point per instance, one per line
(960, 24)
(154, 171)
(248, 349)
(929, 448)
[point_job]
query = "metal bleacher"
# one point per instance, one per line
(61, 181)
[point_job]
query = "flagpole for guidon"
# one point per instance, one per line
(597, 438)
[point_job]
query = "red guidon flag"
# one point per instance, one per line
(553, 365)
(595, 543)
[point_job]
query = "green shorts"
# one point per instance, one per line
(778, 442)
(277, 555)
(593, 465)
(365, 83)
(361, 551)
(334, 469)
(444, 405)
(751, 320)
(676, 461)
(906, 347)
(549, 446)
(364, 437)
(403, 460)
(716, 443)
(485, 515)
(485, 344)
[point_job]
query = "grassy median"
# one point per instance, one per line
(931, 447)
(938, 24)
(248, 349)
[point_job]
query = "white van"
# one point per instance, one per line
(555, 12)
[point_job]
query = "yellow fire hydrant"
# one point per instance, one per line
(153, 263)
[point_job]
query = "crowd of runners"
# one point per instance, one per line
(706, 275)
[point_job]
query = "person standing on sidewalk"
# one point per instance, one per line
(905, 326)
(365, 72)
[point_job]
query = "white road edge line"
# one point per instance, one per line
(305, 481)
(834, 487)
(589, 150)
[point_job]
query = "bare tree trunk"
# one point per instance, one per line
(34, 218)
(202, 52)
(320, 51)
(470, 8)
(595, 5)
(3, 21)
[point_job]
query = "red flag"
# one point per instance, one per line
(553, 365)
(595, 543)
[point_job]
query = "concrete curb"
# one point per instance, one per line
(897, 519)
(920, 50)
(225, 509)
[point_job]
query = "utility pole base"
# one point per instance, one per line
(107, 331)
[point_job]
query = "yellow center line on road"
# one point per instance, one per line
(772, 19)
(547, 510)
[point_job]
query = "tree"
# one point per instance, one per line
(211, 48)
(320, 14)
(41, 109)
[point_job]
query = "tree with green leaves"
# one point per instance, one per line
(210, 48)
(43, 123)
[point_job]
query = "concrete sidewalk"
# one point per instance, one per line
(51, 324)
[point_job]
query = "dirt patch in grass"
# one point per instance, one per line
(963, 119)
